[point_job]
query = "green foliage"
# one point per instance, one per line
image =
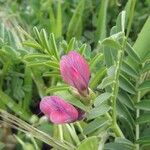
(89, 143)
(34, 35)
(75, 25)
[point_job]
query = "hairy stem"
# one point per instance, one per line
(137, 127)
(116, 128)
(115, 86)
(137, 134)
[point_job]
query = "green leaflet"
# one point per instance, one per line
(129, 70)
(106, 82)
(122, 111)
(97, 78)
(51, 64)
(117, 146)
(144, 118)
(120, 144)
(132, 53)
(71, 45)
(95, 59)
(142, 44)
(111, 42)
(33, 44)
(120, 23)
(89, 143)
(146, 68)
(125, 99)
(144, 140)
(35, 56)
(98, 111)
(54, 46)
(96, 124)
(144, 104)
(144, 86)
(126, 85)
(57, 88)
(101, 98)
(82, 49)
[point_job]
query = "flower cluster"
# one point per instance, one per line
(75, 72)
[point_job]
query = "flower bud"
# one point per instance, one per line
(75, 71)
(58, 110)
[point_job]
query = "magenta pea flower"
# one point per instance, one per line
(58, 110)
(75, 71)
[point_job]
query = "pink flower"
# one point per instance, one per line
(75, 71)
(58, 110)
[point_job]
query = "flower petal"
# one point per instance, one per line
(46, 105)
(60, 117)
(75, 71)
(58, 110)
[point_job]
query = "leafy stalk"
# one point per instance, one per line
(138, 97)
(137, 131)
(115, 86)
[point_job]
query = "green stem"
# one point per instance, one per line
(73, 133)
(118, 131)
(115, 127)
(115, 86)
(35, 143)
(130, 17)
(137, 127)
(81, 130)
(103, 140)
(60, 132)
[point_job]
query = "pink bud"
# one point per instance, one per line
(75, 71)
(58, 110)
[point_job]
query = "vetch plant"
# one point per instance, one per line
(95, 94)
